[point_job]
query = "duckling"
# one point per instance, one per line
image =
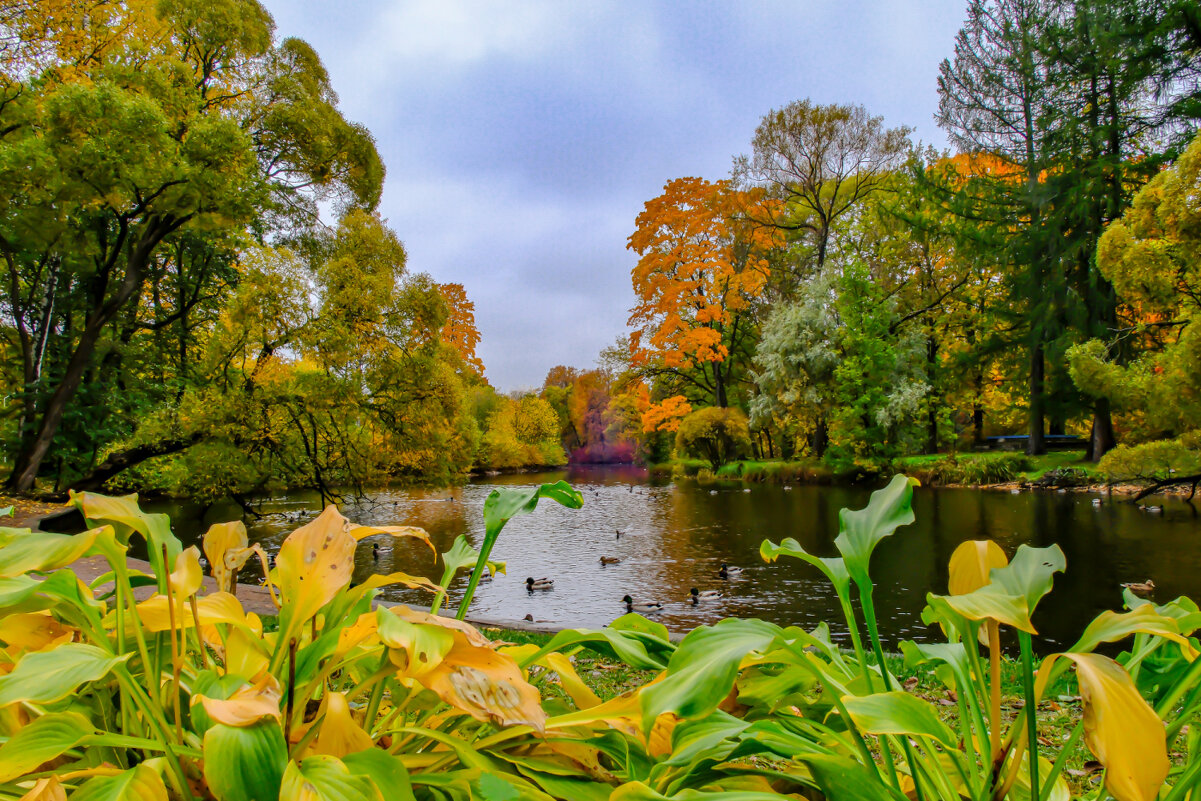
(729, 570)
(610, 560)
(645, 607)
(1140, 587)
(544, 583)
(707, 595)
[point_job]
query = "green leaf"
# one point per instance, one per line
(126, 516)
(637, 791)
(245, 763)
(385, 770)
(897, 713)
(834, 568)
(501, 506)
(1110, 626)
(136, 784)
(703, 668)
(632, 647)
(42, 740)
(1012, 592)
(632, 621)
(842, 779)
(862, 530)
(43, 677)
(41, 551)
(326, 778)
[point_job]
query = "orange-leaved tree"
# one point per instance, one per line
(459, 331)
(703, 265)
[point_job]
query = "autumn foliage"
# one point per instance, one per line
(460, 332)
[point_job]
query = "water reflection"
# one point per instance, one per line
(676, 536)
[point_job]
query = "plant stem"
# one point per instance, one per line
(377, 693)
(994, 675)
(873, 633)
(1031, 708)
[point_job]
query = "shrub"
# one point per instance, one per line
(714, 434)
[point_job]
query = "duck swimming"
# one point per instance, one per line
(610, 560)
(532, 584)
(1140, 587)
(729, 570)
(645, 607)
(708, 595)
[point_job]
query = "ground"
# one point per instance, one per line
(23, 510)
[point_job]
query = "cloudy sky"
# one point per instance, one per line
(522, 137)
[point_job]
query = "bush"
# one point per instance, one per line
(714, 434)
(978, 469)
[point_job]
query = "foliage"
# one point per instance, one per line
(714, 434)
(521, 433)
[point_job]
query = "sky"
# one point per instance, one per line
(522, 138)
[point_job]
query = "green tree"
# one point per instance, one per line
(715, 434)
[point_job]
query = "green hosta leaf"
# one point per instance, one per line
(862, 530)
(834, 568)
(501, 506)
(126, 516)
(951, 654)
(42, 740)
(245, 763)
(692, 739)
(1112, 626)
(47, 676)
(136, 784)
(385, 771)
(842, 779)
(326, 778)
(703, 668)
(899, 713)
(632, 621)
(632, 647)
(637, 791)
(1012, 592)
(41, 551)
(462, 555)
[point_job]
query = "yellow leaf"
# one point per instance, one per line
(245, 654)
(314, 563)
(415, 648)
(220, 607)
(361, 532)
(33, 631)
(350, 636)
(485, 684)
(227, 552)
(187, 577)
(339, 734)
(970, 564)
(417, 616)
(47, 789)
(1120, 728)
(571, 682)
(246, 706)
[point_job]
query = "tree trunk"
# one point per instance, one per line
(1103, 439)
(820, 439)
(123, 460)
(932, 399)
(1037, 445)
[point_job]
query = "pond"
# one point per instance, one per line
(675, 536)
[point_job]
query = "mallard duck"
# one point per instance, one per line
(1140, 587)
(729, 570)
(1155, 510)
(376, 550)
(485, 574)
(645, 607)
(610, 560)
(539, 584)
(619, 533)
(698, 596)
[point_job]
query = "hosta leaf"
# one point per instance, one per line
(325, 778)
(47, 789)
(897, 713)
(47, 676)
(314, 563)
(423, 646)
(461, 555)
(247, 705)
(245, 763)
(33, 631)
(970, 565)
(386, 772)
(842, 779)
(1120, 728)
(860, 531)
(141, 783)
(42, 740)
(1012, 592)
(632, 621)
(40, 551)
(219, 607)
(630, 647)
(703, 668)
(397, 532)
(219, 541)
(339, 734)
(1110, 626)
(486, 685)
(126, 516)
(834, 568)
(472, 634)
(637, 791)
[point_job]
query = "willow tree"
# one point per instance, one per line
(116, 145)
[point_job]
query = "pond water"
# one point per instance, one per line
(675, 536)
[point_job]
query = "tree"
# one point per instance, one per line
(460, 332)
(702, 267)
(715, 434)
(819, 162)
(114, 154)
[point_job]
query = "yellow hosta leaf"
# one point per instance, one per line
(350, 636)
(970, 564)
(33, 631)
(314, 563)
(1120, 728)
(417, 616)
(47, 789)
(141, 783)
(220, 539)
(376, 581)
(339, 734)
(246, 706)
(186, 577)
(416, 532)
(220, 607)
(245, 654)
(485, 684)
(415, 648)
(571, 682)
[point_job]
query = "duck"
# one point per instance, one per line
(712, 492)
(610, 560)
(619, 533)
(1140, 587)
(646, 607)
(729, 570)
(1153, 509)
(375, 551)
(787, 487)
(698, 596)
(544, 583)
(485, 574)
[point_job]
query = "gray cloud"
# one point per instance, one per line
(522, 138)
